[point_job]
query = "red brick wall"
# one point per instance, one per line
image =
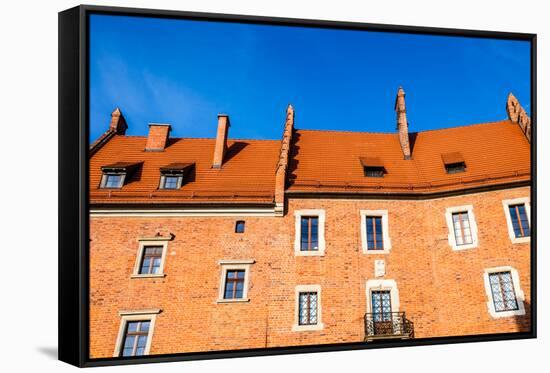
(441, 290)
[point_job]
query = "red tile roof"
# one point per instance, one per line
(320, 162)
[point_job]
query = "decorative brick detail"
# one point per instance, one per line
(517, 114)
(157, 140)
(118, 123)
(402, 124)
(282, 165)
(221, 140)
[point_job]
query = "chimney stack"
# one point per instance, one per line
(402, 124)
(517, 114)
(221, 140)
(157, 140)
(118, 123)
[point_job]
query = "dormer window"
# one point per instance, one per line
(454, 162)
(172, 175)
(115, 175)
(372, 167)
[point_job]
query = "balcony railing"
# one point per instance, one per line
(388, 325)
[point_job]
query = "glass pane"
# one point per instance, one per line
(145, 265)
(144, 327)
(370, 225)
(132, 326)
(129, 342)
(142, 341)
(228, 290)
(127, 351)
(140, 351)
(240, 274)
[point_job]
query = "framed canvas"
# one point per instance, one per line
(232, 186)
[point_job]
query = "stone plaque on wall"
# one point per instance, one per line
(379, 268)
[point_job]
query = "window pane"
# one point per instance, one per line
(229, 290)
(129, 343)
(132, 326)
(144, 327)
(140, 351)
(145, 266)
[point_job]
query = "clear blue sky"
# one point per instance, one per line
(186, 72)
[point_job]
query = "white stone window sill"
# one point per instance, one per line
(498, 315)
(310, 253)
(371, 252)
(521, 240)
(464, 247)
(306, 328)
(148, 275)
(237, 300)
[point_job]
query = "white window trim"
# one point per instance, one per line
(385, 284)
(303, 328)
(151, 241)
(226, 265)
(520, 296)
(473, 226)
(178, 184)
(298, 232)
(517, 201)
(136, 315)
(385, 231)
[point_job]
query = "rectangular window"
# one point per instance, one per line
(374, 171)
(135, 338)
(151, 260)
(239, 226)
(461, 227)
(455, 168)
(503, 292)
(381, 305)
(234, 284)
(113, 181)
(375, 239)
(171, 182)
(307, 310)
(520, 221)
(309, 239)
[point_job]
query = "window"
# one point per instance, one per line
(505, 297)
(135, 333)
(517, 212)
(309, 240)
(114, 175)
(375, 232)
(308, 308)
(239, 226)
(310, 233)
(151, 256)
(372, 166)
(454, 162)
(234, 281)
(382, 299)
(462, 227)
(151, 261)
(381, 305)
(172, 175)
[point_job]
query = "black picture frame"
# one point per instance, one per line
(73, 183)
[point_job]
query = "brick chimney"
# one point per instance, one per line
(517, 114)
(157, 139)
(118, 123)
(221, 140)
(402, 124)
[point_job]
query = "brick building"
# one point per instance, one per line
(321, 237)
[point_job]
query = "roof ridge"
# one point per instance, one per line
(204, 138)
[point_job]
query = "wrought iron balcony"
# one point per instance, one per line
(388, 325)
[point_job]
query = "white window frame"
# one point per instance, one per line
(520, 296)
(303, 289)
(136, 315)
(228, 265)
(385, 231)
(383, 284)
(298, 232)
(103, 184)
(473, 227)
(517, 201)
(151, 241)
(163, 180)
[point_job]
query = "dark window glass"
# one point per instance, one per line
(520, 221)
(462, 230)
(381, 305)
(307, 313)
(171, 182)
(135, 338)
(151, 259)
(234, 284)
(239, 226)
(455, 168)
(309, 233)
(374, 171)
(375, 239)
(112, 181)
(502, 288)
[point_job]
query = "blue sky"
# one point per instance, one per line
(186, 72)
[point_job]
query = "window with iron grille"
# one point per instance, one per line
(375, 239)
(239, 226)
(503, 292)
(151, 260)
(307, 310)
(381, 305)
(520, 221)
(462, 229)
(135, 338)
(234, 284)
(309, 233)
